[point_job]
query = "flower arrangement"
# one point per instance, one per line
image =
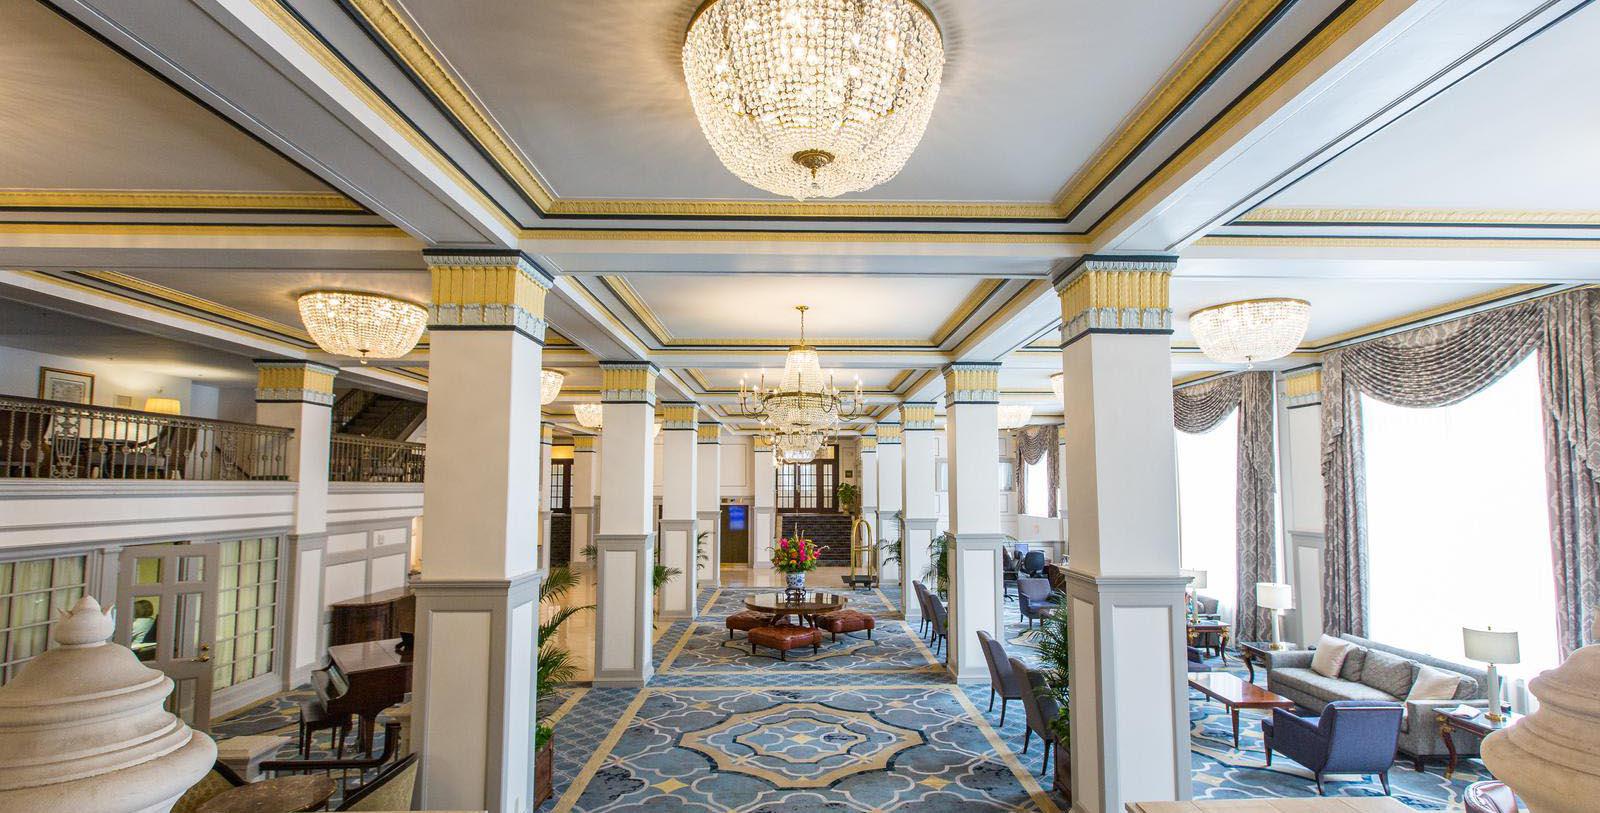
(796, 555)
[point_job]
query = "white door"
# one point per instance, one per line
(167, 614)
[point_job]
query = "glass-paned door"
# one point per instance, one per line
(167, 614)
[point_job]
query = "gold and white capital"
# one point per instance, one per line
(680, 481)
(708, 496)
(764, 519)
(1129, 707)
(972, 435)
(477, 598)
(625, 542)
(919, 500)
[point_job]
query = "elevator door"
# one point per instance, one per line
(736, 534)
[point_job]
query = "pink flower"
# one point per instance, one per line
(784, 542)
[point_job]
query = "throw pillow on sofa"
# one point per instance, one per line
(1433, 684)
(1354, 660)
(1388, 672)
(1330, 655)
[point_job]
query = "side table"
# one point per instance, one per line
(1478, 725)
(1253, 652)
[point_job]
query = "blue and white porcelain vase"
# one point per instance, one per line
(796, 582)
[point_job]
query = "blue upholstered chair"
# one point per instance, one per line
(1034, 599)
(1041, 708)
(941, 623)
(1033, 563)
(1003, 680)
(1351, 736)
(1197, 663)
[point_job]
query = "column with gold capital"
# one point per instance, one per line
(680, 481)
(972, 432)
(1129, 698)
(708, 496)
(890, 529)
(919, 498)
(625, 542)
(477, 598)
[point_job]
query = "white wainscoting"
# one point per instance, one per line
(63, 512)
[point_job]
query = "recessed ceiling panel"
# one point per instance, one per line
(272, 295)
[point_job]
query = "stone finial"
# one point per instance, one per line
(1551, 758)
(83, 727)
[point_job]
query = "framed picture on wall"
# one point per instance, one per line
(66, 385)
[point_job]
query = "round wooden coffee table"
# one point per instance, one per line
(780, 606)
(285, 794)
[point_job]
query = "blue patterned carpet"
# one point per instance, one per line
(864, 725)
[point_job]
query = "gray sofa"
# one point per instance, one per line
(1375, 671)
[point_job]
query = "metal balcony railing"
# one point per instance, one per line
(358, 459)
(55, 440)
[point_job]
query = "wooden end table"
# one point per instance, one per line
(286, 793)
(779, 606)
(1217, 628)
(1478, 725)
(1253, 652)
(1235, 694)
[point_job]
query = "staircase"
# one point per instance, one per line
(374, 415)
(829, 529)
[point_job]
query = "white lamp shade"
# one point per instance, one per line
(1274, 596)
(165, 406)
(1197, 579)
(1491, 646)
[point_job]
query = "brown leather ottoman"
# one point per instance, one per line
(784, 637)
(846, 621)
(746, 620)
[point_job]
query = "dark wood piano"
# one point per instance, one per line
(372, 617)
(364, 679)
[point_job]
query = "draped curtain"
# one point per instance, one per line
(1442, 365)
(1200, 408)
(1035, 444)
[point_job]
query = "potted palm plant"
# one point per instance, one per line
(846, 495)
(1055, 660)
(555, 667)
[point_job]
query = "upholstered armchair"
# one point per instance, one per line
(1041, 707)
(1034, 598)
(1003, 680)
(1351, 736)
(1196, 662)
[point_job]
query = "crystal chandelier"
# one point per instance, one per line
(550, 385)
(799, 447)
(1014, 416)
(368, 326)
(803, 401)
(1252, 330)
(813, 98)
(1056, 386)
(589, 415)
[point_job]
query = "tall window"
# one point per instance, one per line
(1458, 522)
(1208, 483)
(31, 591)
(1036, 488)
(809, 486)
(561, 486)
(247, 599)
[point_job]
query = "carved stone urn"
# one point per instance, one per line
(1551, 758)
(83, 728)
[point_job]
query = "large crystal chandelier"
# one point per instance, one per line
(1252, 330)
(804, 401)
(550, 385)
(813, 98)
(589, 415)
(796, 447)
(1013, 416)
(368, 326)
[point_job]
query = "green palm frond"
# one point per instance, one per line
(662, 575)
(555, 668)
(557, 583)
(547, 630)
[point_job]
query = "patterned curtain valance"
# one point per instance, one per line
(1035, 444)
(1198, 408)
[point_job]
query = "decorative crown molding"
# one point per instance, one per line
(869, 444)
(916, 417)
(679, 415)
(628, 382)
(1112, 294)
(487, 290)
(972, 383)
(303, 381)
(1303, 388)
(889, 433)
(708, 432)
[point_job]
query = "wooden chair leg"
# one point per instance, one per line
(991, 698)
(1044, 765)
(1027, 734)
(1384, 778)
(1004, 701)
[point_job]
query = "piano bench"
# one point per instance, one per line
(314, 717)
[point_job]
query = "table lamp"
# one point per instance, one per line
(1493, 647)
(1197, 581)
(165, 406)
(1277, 598)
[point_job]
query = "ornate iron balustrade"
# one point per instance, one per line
(359, 459)
(55, 440)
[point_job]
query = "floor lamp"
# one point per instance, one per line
(1276, 598)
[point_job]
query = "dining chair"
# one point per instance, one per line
(1003, 679)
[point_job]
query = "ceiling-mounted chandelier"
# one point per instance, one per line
(1252, 330)
(804, 401)
(798, 447)
(1013, 416)
(1056, 386)
(550, 385)
(590, 416)
(367, 326)
(813, 98)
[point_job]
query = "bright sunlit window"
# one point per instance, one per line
(1458, 527)
(1036, 488)
(1208, 480)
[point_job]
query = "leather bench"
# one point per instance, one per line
(746, 620)
(846, 622)
(784, 637)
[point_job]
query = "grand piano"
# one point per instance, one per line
(363, 679)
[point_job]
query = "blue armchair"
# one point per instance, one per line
(1035, 599)
(1351, 736)
(1196, 662)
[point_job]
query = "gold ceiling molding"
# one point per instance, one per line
(176, 297)
(1334, 241)
(207, 229)
(176, 199)
(291, 25)
(979, 294)
(1402, 216)
(1033, 290)
(1303, 384)
(1347, 20)
(698, 377)
(797, 236)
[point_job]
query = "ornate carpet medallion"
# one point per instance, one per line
(801, 745)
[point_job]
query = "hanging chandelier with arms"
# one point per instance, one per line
(804, 401)
(1251, 330)
(813, 98)
(367, 326)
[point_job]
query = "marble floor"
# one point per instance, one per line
(863, 725)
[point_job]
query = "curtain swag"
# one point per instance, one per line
(1035, 444)
(1447, 363)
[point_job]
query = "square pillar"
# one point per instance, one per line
(972, 434)
(547, 445)
(890, 529)
(680, 479)
(708, 496)
(477, 599)
(919, 500)
(625, 541)
(585, 468)
(1129, 698)
(764, 525)
(298, 395)
(867, 486)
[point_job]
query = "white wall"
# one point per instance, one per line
(19, 376)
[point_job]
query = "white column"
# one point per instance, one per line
(547, 445)
(708, 494)
(889, 497)
(680, 479)
(585, 468)
(477, 599)
(972, 433)
(298, 395)
(1061, 489)
(867, 487)
(625, 543)
(919, 501)
(1301, 495)
(764, 478)
(1129, 699)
